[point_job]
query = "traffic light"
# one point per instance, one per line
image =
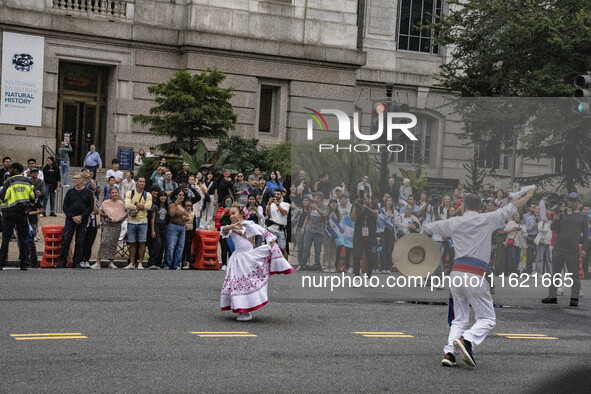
(582, 94)
(378, 115)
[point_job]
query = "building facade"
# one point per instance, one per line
(101, 55)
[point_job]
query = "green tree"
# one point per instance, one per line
(188, 108)
(279, 158)
(245, 154)
(524, 48)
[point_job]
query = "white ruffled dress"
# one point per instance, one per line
(249, 269)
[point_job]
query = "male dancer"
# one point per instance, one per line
(470, 234)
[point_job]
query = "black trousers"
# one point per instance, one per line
(367, 245)
(226, 252)
(18, 219)
(158, 245)
(71, 229)
(571, 261)
(189, 235)
(88, 242)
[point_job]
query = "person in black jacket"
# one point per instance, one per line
(569, 226)
(78, 205)
(52, 179)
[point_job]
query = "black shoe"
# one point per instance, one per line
(550, 300)
(24, 267)
(53, 214)
(465, 348)
(301, 268)
(574, 302)
(62, 265)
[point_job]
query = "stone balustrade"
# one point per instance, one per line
(105, 8)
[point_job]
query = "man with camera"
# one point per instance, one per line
(365, 215)
(137, 203)
(569, 223)
(313, 230)
(277, 211)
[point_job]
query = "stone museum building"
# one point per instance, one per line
(99, 56)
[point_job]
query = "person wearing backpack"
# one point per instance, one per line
(137, 203)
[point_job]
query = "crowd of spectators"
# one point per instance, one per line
(352, 231)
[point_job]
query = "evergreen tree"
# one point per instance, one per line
(189, 108)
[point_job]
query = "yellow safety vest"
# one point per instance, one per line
(16, 190)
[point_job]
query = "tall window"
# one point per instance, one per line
(413, 14)
(492, 155)
(267, 108)
(418, 152)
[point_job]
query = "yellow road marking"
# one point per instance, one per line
(389, 336)
(371, 332)
(45, 334)
(220, 332)
(526, 335)
(54, 337)
(227, 335)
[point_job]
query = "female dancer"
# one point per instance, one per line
(249, 268)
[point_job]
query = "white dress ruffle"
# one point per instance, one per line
(249, 269)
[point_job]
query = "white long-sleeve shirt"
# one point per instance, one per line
(472, 232)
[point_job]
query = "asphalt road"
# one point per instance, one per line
(139, 337)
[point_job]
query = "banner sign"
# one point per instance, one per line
(22, 79)
(125, 157)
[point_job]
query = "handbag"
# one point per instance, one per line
(510, 242)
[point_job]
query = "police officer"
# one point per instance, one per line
(16, 197)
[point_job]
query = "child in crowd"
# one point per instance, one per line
(249, 268)
(110, 185)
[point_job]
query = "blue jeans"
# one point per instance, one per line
(175, 243)
(65, 171)
(439, 269)
(49, 196)
(543, 259)
(310, 238)
(530, 257)
(513, 255)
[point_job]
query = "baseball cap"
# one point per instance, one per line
(34, 169)
(574, 196)
(226, 174)
(18, 166)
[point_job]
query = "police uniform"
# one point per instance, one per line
(16, 198)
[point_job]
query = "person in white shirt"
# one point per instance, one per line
(277, 211)
(151, 153)
(127, 184)
(139, 158)
(404, 192)
(115, 173)
(470, 234)
(364, 185)
(32, 163)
